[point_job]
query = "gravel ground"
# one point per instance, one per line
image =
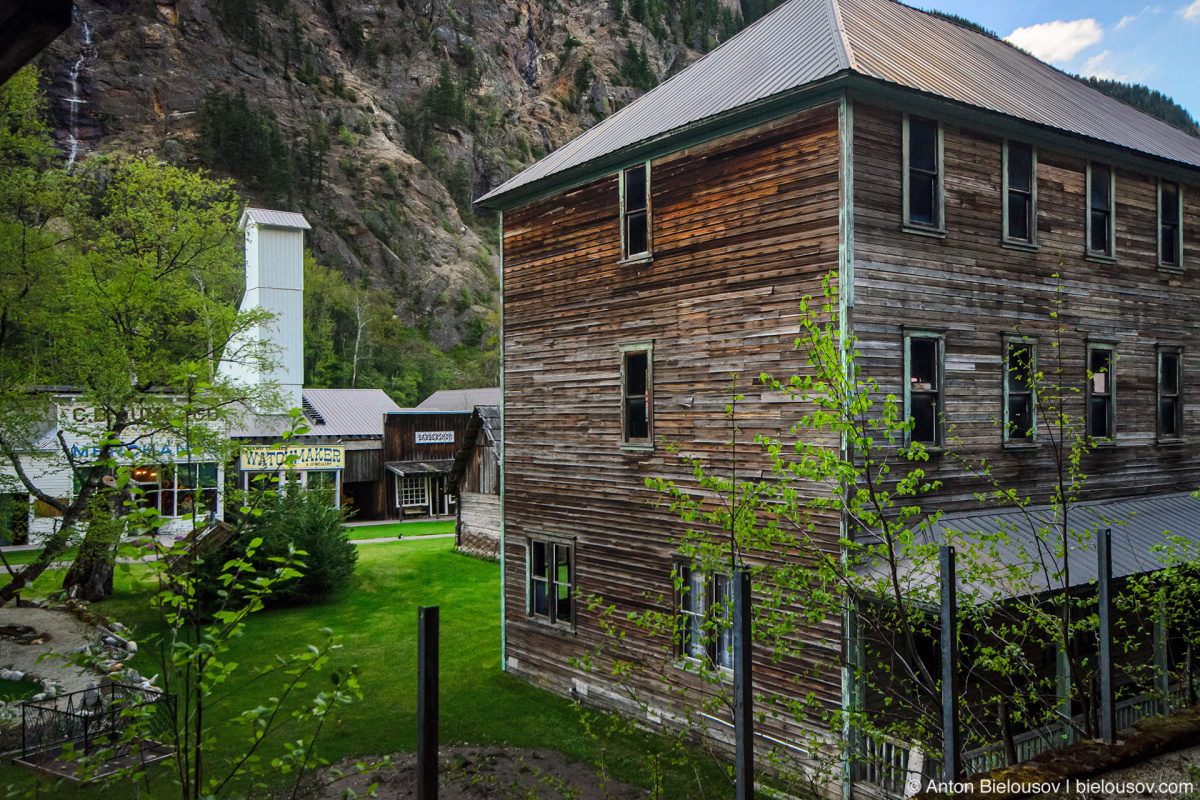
(66, 633)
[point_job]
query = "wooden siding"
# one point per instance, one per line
(976, 291)
(477, 529)
(743, 229)
(363, 465)
(400, 430)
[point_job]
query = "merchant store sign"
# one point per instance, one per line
(301, 457)
(435, 437)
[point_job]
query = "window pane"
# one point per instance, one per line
(1019, 363)
(635, 373)
(924, 418)
(541, 564)
(1169, 236)
(635, 188)
(635, 233)
(923, 364)
(1167, 407)
(1099, 417)
(723, 613)
(1101, 184)
(636, 426)
(1099, 363)
(562, 605)
(1018, 215)
(1020, 167)
(541, 602)
(921, 199)
(1170, 373)
(1020, 416)
(562, 564)
(922, 144)
(1170, 203)
(1099, 241)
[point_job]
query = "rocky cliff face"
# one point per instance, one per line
(392, 113)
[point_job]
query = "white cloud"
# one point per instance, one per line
(1190, 13)
(1098, 67)
(1135, 17)
(1058, 41)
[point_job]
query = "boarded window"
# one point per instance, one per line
(1100, 210)
(1101, 423)
(1020, 180)
(637, 391)
(635, 213)
(1169, 243)
(923, 172)
(551, 581)
(923, 389)
(1170, 405)
(1020, 368)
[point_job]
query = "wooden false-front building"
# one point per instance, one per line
(958, 194)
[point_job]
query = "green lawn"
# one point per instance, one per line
(376, 621)
(405, 529)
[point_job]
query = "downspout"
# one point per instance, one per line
(501, 444)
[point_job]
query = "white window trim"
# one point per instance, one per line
(1111, 254)
(1024, 244)
(400, 489)
(906, 223)
(648, 254)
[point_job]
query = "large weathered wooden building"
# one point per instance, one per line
(958, 191)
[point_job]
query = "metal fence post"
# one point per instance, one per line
(743, 686)
(427, 703)
(1108, 721)
(951, 740)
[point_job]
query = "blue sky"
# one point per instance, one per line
(1156, 44)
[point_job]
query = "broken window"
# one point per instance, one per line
(705, 616)
(637, 395)
(1170, 245)
(1020, 183)
(551, 581)
(922, 172)
(635, 211)
(1101, 422)
(1020, 367)
(923, 388)
(1170, 407)
(1100, 210)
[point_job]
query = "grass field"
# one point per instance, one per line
(405, 529)
(376, 621)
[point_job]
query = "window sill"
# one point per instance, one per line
(1173, 269)
(930, 449)
(1017, 244)
(936, 233)
(1098, 444)
(1169, 443)
(1021, 447)
(546, 625)
(1100, 258)
(637, 448)
(695, 666)
(640, 258)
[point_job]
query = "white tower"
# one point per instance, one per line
(275, 282)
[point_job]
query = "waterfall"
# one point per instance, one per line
(74, 101)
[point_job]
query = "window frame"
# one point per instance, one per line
(718, 653)
(625, 350)
(1177, 265)
(940, 402)
(939, 204)
(551, 618)
(1019, 442)
(1177, 352)
(1031, 243)
(401, 480)
(1111, 348)
(1111, 253)
(648, 253)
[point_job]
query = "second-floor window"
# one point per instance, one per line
(1170, 225)
(1020, 193)
(1170, 394)
(1101, 394)
(635, 211)
(922, 147)
(923, 396)
(1020, 363)
(1100, 190)
(637, 395)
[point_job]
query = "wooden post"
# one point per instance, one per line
(1108, 720)
(951, 740)
(743, 687)
(427, 703)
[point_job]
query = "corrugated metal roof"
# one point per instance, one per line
(1137, 525)
(349, 412)
(275, 219)
(805, 41)
(460, 399)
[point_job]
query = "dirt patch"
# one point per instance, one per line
(1160, 777)
(475, 773)
(66, 634)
